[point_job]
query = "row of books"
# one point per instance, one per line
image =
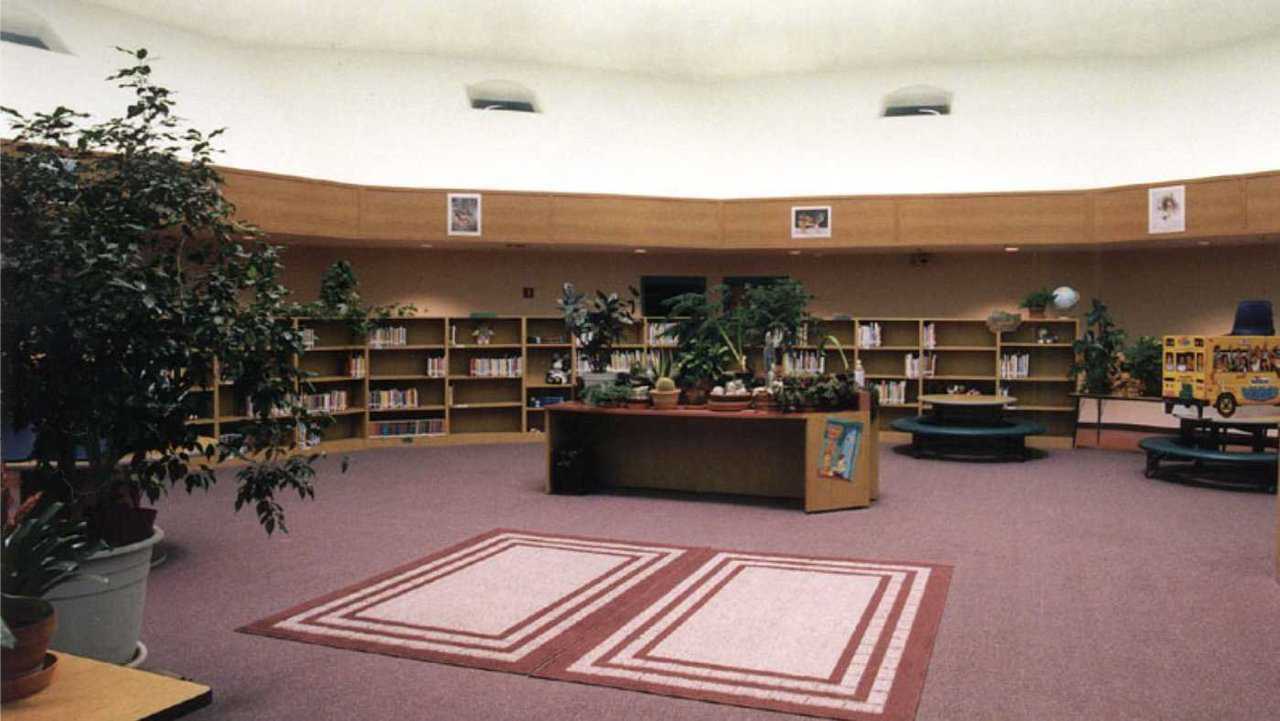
(512, 367)
(1015, 365)
(621, 361)
(357, 366)
(916, 366)
(804, 363)
(869, 335)
(656, 335)
(413, 427)
(393, 398)
(389, 336)
(891, 392)
(327, 402)
(930, 336)
(436, 367)
(308, 338)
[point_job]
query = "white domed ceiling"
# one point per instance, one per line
(714, 39)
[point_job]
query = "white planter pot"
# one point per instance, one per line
(104, 620)
(597, 379)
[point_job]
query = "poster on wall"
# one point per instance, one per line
(464, 214)
(840, 441)
(1167, 209)
(811, 221)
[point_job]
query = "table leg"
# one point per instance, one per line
(1097, 428)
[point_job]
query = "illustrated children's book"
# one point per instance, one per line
(840, 441)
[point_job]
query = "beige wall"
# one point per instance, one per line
(1151, 292)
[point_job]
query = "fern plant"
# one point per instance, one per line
(1097, 352)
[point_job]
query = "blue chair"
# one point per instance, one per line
(1254, 317)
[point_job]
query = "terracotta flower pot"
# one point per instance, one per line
(1035, 312)
(695, 396)
(664, 400)
(25, 668)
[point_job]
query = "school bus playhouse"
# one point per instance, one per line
(1224, 371)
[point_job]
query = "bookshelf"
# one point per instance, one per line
(421, 382)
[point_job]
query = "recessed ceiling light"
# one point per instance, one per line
(427, 245)
(641, 251)
(1202, 242)
(1011, 249)
(793, 252)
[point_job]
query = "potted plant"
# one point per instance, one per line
(104, 365)
(597, 324)
(1036, 301)
(701, 366)
(709, 318)
(42, 550)
(1144, 362)
(732, 396)
(665, 394)
(776, 314)
(608, 395)
(1097, 352)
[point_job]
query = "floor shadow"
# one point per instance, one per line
(961, 455)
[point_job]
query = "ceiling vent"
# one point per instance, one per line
(917, 100)
(20, 26)
(501, 95)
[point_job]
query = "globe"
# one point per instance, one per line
(1065, 298)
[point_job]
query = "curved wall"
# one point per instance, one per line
(402, 120)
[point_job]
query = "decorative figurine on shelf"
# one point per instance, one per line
(1044, 336)
(956, 390)
(559, 373)
(483, 334)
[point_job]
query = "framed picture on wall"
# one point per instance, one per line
(811, 221)
(464, 214)
(1167, 209)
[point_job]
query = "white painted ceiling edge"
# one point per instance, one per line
(718, 39)
(386, 118)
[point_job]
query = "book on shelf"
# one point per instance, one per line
(916, 365)
(621, 361)
(930, 337)
(389, 336)
(869, 335)
(804, 362)
(510, 367)
(308, 338)
(892, 392)
(1015, 365)
(407, 427)
(391, 398)
(436, 367)
(356, 366)
(656, 335)
(327, 402)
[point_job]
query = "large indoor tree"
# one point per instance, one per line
(127, 280)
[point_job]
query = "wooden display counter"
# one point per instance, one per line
(830, 460)
(88, 690)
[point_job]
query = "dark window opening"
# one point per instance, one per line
(655, 290)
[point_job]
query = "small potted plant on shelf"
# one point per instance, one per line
(1036, 301)
(665, 394)
(596, 324)
(42, 550)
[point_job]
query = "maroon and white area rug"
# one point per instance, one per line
(830, 637)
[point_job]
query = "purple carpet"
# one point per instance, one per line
(1081, 589)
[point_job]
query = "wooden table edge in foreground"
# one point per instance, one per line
(87, 690)
(803, 474)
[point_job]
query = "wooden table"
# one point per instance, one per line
(88, 690)
(759, 453)
(1211, 430)
(1098, 399)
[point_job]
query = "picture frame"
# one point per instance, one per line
(464, 214)
(841, 440)
(811, 221)
(1167, 209)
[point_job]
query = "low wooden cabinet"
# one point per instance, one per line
(758, 453)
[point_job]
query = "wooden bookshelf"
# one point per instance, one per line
(426, 359)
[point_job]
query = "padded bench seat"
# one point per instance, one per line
(1006, 439)
(1165, 448)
